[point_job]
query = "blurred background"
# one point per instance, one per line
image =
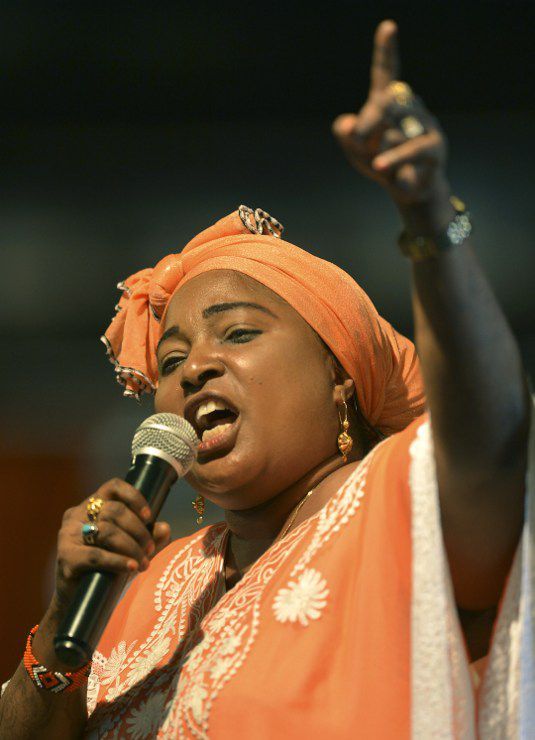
(129, 127)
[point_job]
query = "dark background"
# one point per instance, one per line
(126, 128)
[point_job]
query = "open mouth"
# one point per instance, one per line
(217, 432)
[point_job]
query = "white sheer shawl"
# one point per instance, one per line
(443, 700)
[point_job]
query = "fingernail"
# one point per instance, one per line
(132, 565)
(145, 564)
(379, 163)
(146, 513)
(150, 548)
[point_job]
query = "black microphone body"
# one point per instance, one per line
(98, 591)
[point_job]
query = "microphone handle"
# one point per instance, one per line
(98, 591)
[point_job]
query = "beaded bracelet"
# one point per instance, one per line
(53, 681)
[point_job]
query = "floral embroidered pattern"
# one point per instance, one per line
(144, 721)
(303, 600)
(197, 643)
(130, 671)
(147, 660)
(228, 634)
(93, 684)
(113, 668)
(338, 511)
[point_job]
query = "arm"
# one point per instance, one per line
(471, 366)
(479, 403)
(26, 712)
(124, 545)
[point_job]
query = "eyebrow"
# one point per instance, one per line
(174, 331)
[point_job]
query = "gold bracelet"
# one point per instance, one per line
(419, 248)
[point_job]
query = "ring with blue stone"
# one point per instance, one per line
(89, 533)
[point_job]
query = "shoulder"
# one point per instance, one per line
(384, 475)
(381, 485)
(396, 450)
(390, 457)
(384, 470)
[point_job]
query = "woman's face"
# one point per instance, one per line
(268, 365)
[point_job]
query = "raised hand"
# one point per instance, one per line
(394, 139)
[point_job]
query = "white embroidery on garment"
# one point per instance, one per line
(93, 684)
(112, 668)
(238, 612)
(338, 511)
(115, 663)
(143, 721)
(210, 643)
(184, 594)
(146, 661)
(303, 600)
(195, 699)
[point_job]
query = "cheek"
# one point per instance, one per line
(292, 390)
(168, 398)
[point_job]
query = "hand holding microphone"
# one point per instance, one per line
(104, 541)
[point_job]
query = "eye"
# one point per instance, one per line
(237, 336)
(169, 364)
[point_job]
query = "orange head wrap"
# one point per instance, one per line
(382, 362)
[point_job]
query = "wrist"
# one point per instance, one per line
(43, 641)
(51, 677)
(430, 216)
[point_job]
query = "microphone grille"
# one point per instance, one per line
(168, 434)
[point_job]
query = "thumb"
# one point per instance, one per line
(345, 124)
(161, 534)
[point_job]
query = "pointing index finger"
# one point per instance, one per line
(385, 59)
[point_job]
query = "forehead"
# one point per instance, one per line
(227, 286)
(221, 286)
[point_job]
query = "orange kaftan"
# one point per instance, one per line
(346, 628)
(313, 642)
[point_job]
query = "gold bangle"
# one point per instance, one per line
(419, 248)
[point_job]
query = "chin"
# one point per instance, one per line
(226, 480)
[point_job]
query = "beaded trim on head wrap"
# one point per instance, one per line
(124, 289)
(258, 220)
(123, 373)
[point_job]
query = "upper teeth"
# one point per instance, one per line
(207, 408)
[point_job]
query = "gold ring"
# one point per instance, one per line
(93, 508)
(403, 94)
(411, 127)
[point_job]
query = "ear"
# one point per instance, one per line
(344, 386)
(344, 391)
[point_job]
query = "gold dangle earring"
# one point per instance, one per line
(198, 505)
(345, 441)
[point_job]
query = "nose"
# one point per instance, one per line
(200, 366)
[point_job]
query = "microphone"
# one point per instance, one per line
(164, 448)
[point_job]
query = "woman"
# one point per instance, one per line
(324, 605)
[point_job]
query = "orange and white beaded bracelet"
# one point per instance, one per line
(53, 681)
